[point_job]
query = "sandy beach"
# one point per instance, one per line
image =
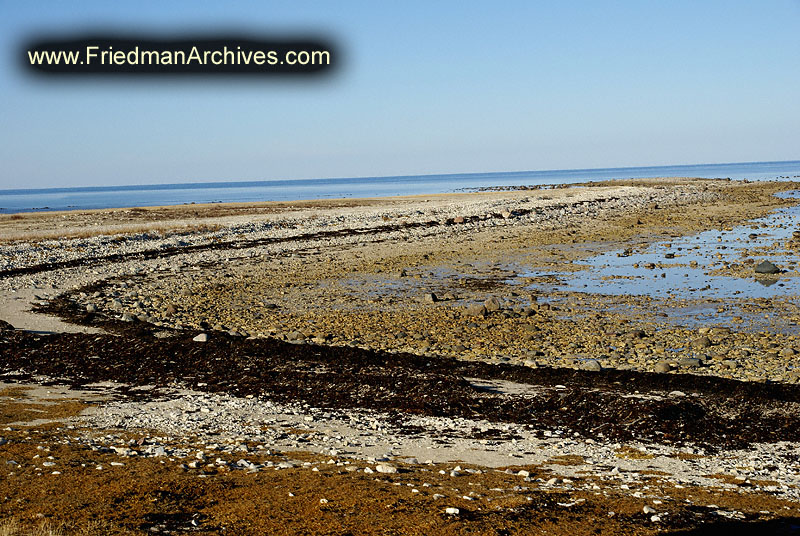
(616, 357)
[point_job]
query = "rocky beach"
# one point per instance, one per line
(615, 357)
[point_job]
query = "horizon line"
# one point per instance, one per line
(189, 185)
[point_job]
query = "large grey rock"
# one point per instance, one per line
(430, 298)
(662, 367)
(689, 362)
(591, 365)
(476, 309)
(492, 304)
(295, 336)
(767, 267)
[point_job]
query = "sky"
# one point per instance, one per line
(418, 88)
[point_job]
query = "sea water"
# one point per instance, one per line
(98, 197)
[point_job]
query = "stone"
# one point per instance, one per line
(648, 510)
(662, 366)
(476, 309)
(452, 511)
(295, 336)
(492, 304)
(591, 365)
(430, 298)
(689, 362)
(458, 219)
(91, 308)
(767, 267)
(203, 337)
(701, 342)
(386, 468)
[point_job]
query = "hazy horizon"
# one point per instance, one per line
(432, 175)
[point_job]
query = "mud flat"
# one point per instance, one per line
(487, 363)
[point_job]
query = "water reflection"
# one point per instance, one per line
(688, 267)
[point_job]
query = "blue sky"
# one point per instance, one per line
(421, 88)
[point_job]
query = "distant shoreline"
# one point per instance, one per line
(291, 190)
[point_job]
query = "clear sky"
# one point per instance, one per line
(422, 87)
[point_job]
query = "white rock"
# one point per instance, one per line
(203, 337)
(385, 468)
(452, 511)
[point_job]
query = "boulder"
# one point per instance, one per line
(492, 304)
(767, 267)
(476, 309)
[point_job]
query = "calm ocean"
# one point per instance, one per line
(20, 200)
